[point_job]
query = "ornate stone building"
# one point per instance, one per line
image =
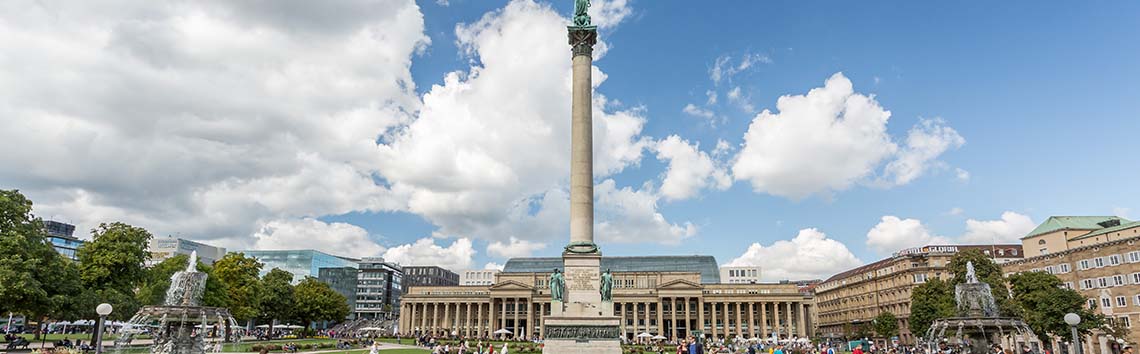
(1099, 256)
(853, 298)
(651, 295)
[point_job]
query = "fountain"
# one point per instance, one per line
(179, 325)
(978, 326)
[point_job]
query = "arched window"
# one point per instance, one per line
(1041, 242)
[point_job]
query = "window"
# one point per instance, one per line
(1084, 264)
(1068, 285)
(1092, 304)
(1133, 256)
(1121, 301)
(1117, 280)
(1135, 278)
(1041, 242)
(1114, 260)
(1087, 284)
(1124, 321)
(1105, 302)
(1136, 301)
(1064, 267)
(920, 278)
(1098, 261)
(1102, 282)
(1043, 250)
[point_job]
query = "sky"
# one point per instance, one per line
(803, 137)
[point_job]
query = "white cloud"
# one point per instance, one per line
(736, 96)
(722, 148)
(1122, 212)
(924, 143)
(695, 111)
(955, 211)
(690, 170)
(962, 175)
(810, 255)
(712, 97)
(493, 265)
(893, 234)
(206, 119)
(831, 138)
(626, 215)
(724, 68)
(337, 238)
(608, 13)
(455, 257)
(514, 248)
(819, 142)
(1009, 229)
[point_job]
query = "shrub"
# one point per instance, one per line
(273, 347)
(256, 348)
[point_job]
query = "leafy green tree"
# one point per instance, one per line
(988, 272)
(112, 265)
(276, 300)
(34, 279)
(929, 301)
(240, 275)
(886, 325)
(1044, 303)
(316, 301)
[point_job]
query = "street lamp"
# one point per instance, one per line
(1073, 320)
(103, 310)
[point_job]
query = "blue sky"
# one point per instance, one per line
(1031, 108)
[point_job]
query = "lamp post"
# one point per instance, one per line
(103, 310)
(1073, 320)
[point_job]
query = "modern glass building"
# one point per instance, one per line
(302, 263)
(706, 265)
(61, 237)
(343, 281)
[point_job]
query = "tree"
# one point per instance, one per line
(34, 279)
(240, 275)
(886, 325)
(276, 300)
(929, 301)
(316, 301)
(1044, 303)
(988, 272)
(112, 265)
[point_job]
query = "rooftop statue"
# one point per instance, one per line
(581, 19)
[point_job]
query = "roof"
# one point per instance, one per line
(1123, 226)
(706, 265)
(1057, 223)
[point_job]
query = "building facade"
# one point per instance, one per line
(1102, 264)
(665, 301)
(379, 287)
(855, 297)
(740, 275)
(343, 281)
(477, 277)
(61, 236)
(429, 276)
(162, 248)
(302, 263)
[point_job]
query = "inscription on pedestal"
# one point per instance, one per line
(582, 279)
(581, 332)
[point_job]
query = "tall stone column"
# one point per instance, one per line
(582, 140)
(726, 319)
(528, 331)
(688, 324)
(701, 314)
(788, 312)
(621, 311)
(467, 321)
(776, 319)
(712, 320)
(518, 308)
(801, 329)
(764, 319)
(751, 319)
(660, 317)
(446, 324)
(479, 320)
(739, 321)
(673, 318)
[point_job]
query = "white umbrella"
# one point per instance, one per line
(373, 329)
(659, 337)
(754, 339)
(262, 326)
(294, 327)
(502, 331)
(644, 335)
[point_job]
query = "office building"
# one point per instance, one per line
(162, 248)
(61, 236)
(672, 296)
(477, 277)
(740, 275)
(342, 280)
(379, 286)
(855, 297)
(1099, 256)
(429, 276)
(302, 263)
